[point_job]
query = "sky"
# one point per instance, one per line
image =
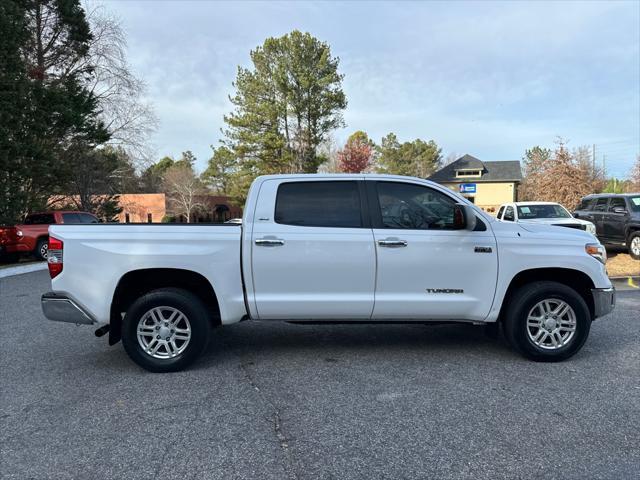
(490, 79)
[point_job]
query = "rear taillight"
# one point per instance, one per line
(54, 257)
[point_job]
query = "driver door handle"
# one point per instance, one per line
(269, 242)
(392, 243)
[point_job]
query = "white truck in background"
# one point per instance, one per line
(314, 248)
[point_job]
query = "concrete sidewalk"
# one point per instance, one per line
(9, 271)
(629, 283)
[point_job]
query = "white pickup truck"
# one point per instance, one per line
(329, 248)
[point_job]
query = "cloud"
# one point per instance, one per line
(491, 79)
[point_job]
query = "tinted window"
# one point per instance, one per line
(509, 215)
(601, 204)
(40, 219)
(70, 218)
(500, 212)
(634, 202)
(319, 204)
(587, 204)
(617, 203)
(86, 218)
(404, 205)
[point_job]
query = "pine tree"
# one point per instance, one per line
(45, 106)
(285, 105)
(417, 158)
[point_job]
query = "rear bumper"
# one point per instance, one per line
(61, 308)
(604, 301)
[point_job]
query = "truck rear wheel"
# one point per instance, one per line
(547, 321)
(166, 330)
(42, 249)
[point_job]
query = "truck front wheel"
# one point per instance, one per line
(547, 321)
(166, 330)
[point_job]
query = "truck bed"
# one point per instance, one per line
(97, 256)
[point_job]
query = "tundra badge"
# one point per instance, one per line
(445, 290)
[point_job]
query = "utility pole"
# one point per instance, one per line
(604, 166)
(593, 160)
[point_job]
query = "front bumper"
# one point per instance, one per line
(604, 300)
(61, 308)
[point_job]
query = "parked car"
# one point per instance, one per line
(548, 213)
(31, 236)
(616, 217)
(317, 248)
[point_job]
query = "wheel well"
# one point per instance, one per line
(575, 279)
(631, 230)
(136, 283)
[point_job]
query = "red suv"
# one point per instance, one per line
(32, 236)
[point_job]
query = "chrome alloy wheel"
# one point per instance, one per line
(551, 324)
(44, 250)
(635, 246)
(164, 332)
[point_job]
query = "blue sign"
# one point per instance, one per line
(467, 188)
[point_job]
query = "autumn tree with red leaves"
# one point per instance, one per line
(357, 154)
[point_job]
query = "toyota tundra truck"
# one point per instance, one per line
(329, 248)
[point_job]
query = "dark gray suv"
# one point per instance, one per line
(616, 217)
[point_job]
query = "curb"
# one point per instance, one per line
(20, 269)
(631, 282)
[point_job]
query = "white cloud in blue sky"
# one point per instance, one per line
(489, 79)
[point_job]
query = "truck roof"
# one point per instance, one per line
(354, 176)
(598, 195)
(534, 203)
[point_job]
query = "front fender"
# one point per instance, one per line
(522, 251)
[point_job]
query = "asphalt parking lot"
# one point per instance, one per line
(299, 402)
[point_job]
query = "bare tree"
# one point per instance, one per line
(591, 173)
(128, 117)
(328, 149)
(635, 176)
(561, 175)
(182, 188)
(449, 159)
(103, 66)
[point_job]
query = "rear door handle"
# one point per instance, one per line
(269, 242)
(392, 243)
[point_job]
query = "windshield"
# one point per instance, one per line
(635, 203)
(526, 212)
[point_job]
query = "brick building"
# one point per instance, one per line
(152, 208)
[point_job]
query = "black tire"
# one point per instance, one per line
(521, 304)
(171, 298)
(634, 237)
(42, 247)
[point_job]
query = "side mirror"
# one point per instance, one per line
(619, 210)
(464, 217)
